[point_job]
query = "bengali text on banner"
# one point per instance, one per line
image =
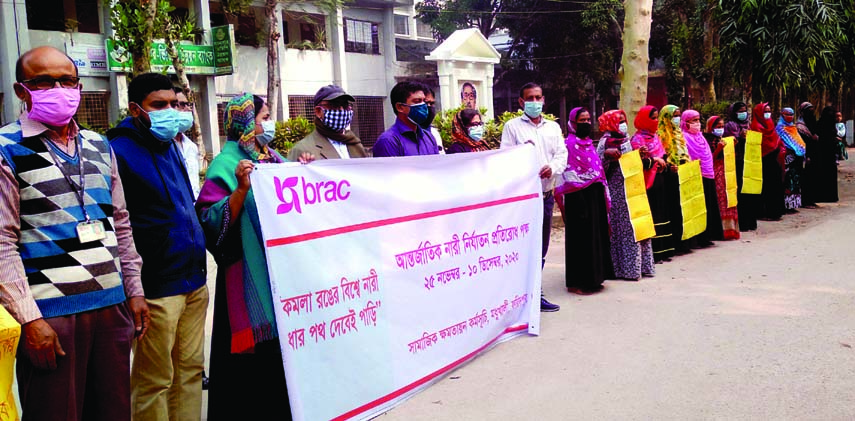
(388, 273)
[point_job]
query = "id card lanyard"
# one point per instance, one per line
(88, 230)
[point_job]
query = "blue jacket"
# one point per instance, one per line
(166, 229)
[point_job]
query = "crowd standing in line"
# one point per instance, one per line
(72, 245)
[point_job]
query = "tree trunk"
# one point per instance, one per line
(747, 82)
(710, 42)
(142, 54)
(635, 60)
(273, 79)
(178, 64)
(562, 113)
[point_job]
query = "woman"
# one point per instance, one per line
(699, 150)
(738, 126)
(826, 170)
(772, 197)
(729, 215)
(794, 148)
(647, 142)
(842, 153)
(806, 125)
(631, 259)
(467, 130)
(246, 363)
(586, 198)
(676, 154)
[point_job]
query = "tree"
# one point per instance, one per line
(175, 30)
(445, 17)
(635, 61)
(134, 23)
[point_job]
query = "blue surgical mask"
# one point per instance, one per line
(675, 121)
(269, 127)
(841, 129)
(419, 113)
(185, 120)
(767, 115)
(533, 109)
(623, 128)
(476, 133)
(718, 132)
(164, 124)
(742, 116)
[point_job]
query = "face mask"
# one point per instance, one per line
(583, 130)
(418, 113)
(164, 123)
(337, 120)
(431, 115)
(789, 118)
(841, 129)
(533, 109)
(742, 116)
(622, 128)
(476, 133)
(675, 121)
(694, 127)
(718, 132)
(269, 127)
(767, 115)
(185, 120)
(55, 106)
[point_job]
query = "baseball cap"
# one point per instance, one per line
(331, 92)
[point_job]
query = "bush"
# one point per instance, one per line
(710, 109)
(492, 128)
(289, 132)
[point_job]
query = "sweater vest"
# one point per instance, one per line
(64, 275)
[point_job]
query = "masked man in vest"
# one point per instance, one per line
(166, 377)
(332, 137)
(69, 270)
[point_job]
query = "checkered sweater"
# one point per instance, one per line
(65, 276)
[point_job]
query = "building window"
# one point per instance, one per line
(304, 31)
(402, 25)
(361, 37)
(423, 30)
(92, 112)
(368, 122)
(64, 15)
(246, 28)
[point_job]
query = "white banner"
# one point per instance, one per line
(389, 272)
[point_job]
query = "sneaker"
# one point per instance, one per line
(547, 307)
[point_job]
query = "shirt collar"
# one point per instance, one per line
(32, 128)
(403, 127)
(526, 118)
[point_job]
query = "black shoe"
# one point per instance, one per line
(547, 307)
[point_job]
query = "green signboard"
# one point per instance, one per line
(214, 59)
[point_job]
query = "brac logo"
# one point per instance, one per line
(312, 193)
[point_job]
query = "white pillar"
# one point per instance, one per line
(206, 97)
(284, 113)
(14, 41)
(390, 55)
(336, 31)
(488, 90)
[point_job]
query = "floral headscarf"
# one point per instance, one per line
(646, 134)
(239, 122)
(583, 163)
(459, 134)
(789, 134)
(672, 137)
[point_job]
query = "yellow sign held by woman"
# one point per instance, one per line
(752, 172)
(692, 200)
(636, 196)
(10, 333)
(730, 171)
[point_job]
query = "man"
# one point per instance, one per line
(332, 138)
(430, 100)
(406, 137)
(546, 137)
(189, 150)
(166, 376)
(468, 96)
(69, 270)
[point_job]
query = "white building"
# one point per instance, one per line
(354, 47)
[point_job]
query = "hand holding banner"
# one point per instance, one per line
(752, 172)
(636, 196)
(385, 277)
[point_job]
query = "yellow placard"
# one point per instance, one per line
(730, 171)
(10, 333)
(636, 196)
(692, 199)
(752, 172)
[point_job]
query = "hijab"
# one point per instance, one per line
(460, 134)
(609, 123)
(764, 125)
(671, 137)
(584, 166)
(646, 134)
(697, 144)
(734, 126)
(240, 127)
(789, 134)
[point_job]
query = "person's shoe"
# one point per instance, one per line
(205, 381)
(547, 307)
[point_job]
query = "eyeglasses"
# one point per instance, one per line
(47, 82)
